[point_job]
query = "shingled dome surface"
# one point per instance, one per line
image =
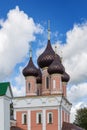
(56, 66)
(65, 77)
(46, 58)
(39, 77)
(30, 69)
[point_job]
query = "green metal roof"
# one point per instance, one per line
(3, 88)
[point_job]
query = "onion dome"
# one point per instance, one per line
(30, 69)
(65, 77)
(39, 77)
(56, 66)
(47, 57)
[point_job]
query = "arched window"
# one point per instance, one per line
(24, 118)
(54, 84)
(38, 92)
(29, 85)
(50, 118)
(39, 118)
(47, 82)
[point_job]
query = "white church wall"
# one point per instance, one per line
(8, 93)
(1, 113)
(41, 102)
(4, 113)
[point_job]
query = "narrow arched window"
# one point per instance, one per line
(39, 118)
(38, 93)
(29, 85)
(50, 118)
(24, 118)
(54, 84)
(47, 82)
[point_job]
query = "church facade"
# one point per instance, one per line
(45, 105)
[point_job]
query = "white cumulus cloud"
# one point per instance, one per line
(75, 53)
(15, 34)
(77, 92)
(19, 87)
(18, 91)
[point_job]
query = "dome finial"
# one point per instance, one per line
(30, 51)
(61, 56)
(48, 29)
(55, 49)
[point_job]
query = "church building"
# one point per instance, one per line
(45, 105)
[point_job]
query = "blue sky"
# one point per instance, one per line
(62, 13)
(26, 21)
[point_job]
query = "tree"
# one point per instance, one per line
(81, 118)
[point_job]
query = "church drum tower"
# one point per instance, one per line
(45, 105)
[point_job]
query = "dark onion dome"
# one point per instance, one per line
(46, 58)
(30, 69)
(56, 66)
(39, 77)
(65, 77)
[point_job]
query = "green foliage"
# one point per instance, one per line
(81, 118)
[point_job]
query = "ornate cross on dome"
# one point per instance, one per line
(48, 29)
(55, 49)
(30, 51)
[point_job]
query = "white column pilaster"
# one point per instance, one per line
(14, 114)
(29, 119)
(64, 115)
(59, 118)
(61, 86)
(44, 120)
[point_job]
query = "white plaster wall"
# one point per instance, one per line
(4, 113)
(47, 101)
(1, 113)
(8, 93)
(36, 102)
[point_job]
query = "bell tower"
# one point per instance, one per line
(44, 60)
(30, 73)
(55, 70)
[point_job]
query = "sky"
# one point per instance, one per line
(25, 22)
